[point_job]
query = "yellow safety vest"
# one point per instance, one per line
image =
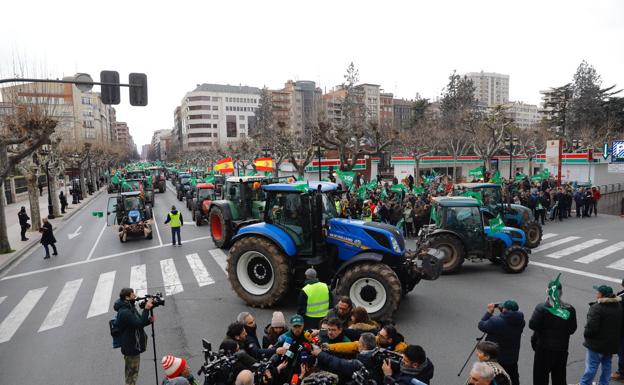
(174, 220)
(318, 300)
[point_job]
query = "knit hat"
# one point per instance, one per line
(173, 366)
(310, 273)
(510, 304)
(278, 320)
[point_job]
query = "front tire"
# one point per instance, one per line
(453, 250)
(533, 232)
(515, 260)
(374, 286)
(258, 271)
(197, 217)
(219, 230)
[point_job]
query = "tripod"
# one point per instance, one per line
(154, 346)
(469, 355)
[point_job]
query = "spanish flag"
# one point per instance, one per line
(264, 164)
(224, 165)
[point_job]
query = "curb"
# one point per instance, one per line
(6, 264)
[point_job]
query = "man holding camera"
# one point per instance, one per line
(133, 337)
(414, 366)
(506, 330)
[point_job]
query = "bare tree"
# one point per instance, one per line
(531, 142)
(488, 132)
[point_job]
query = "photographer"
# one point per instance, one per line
(506, 330)
(414, 365)
(344, 368)
(133, 337)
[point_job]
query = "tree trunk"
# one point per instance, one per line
(417, 170)
(33, 199)
(5, 246)
(454, 168)
(94, 178)
(53, 181)
(83, 183)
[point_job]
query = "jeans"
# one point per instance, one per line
(593, 360)
(47, 250)
(512, 370)
(175, 231)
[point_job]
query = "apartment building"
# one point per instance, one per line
(296, 105)
(386, 112)
(160, 143)
(525, 116)
(490, 88)
(402, 113)
(216, 115)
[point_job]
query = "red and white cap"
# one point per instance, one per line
(173, 366)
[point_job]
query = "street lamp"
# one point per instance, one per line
(46, 152)
(318, 148)
(511, 141)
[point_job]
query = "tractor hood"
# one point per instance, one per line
(522, 212)
(352, 237)
(509, 235)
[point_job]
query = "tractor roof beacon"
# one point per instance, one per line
(458, 231)
(366, 261)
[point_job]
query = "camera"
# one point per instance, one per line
(217, 367)
(259, 370)
(157, 300)
(498, 306)
(380, 355)
(362, 377)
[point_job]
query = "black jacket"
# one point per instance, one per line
(47, 236)
(604, 326)
(506, 330)
(23, 218)
(253, 347)
(551, 332)
(423, 373)
(131, 324)
(344, 368)
(333, 313)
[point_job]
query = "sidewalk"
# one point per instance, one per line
(13, 227)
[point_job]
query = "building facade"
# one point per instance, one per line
(526, 116)
(296, 105)
(402, 113)
(490, 88)
(121, 133)
(216, 115)
(386, 112)
(160, 143)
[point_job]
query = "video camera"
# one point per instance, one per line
(380, 355)
(362, 377)
(321, 379)
(157, 300)
(259, 370)
(217, 367)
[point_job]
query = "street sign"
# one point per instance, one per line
(617, 152)
(81, 77)
(552, 152)
(605, 151)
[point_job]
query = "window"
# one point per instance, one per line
(216, 98)
(202, 107)
(87, 124)
(215, 108)
(86, 100)
(197, 98)
(214, 126)
(241, 117)
(242, 135)
(201, 125)
(231, 126)
(215, 117)
(200, 116)
(241, 125)
(200, 135)
(87, 113)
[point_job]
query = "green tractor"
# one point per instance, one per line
(513, 215)
(459, 232)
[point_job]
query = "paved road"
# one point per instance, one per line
(54, 313)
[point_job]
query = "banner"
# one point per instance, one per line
(264, 164)
(496, 224)
(476, 172)
(497, 178)
(347, 177)
(224, 165)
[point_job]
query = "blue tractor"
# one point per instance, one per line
(459, 233)
(513, 215)
(366, 261)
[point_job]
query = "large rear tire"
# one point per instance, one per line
(453, 250)
(220, 231)
(515, 260)
(533, 232)
(258, 271)
(374, 286)
(197, 217)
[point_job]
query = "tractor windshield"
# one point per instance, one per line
(463, 219)
(329, 208)
(133, 203)
(205, 193)
(185, 180)
(288, 211)
(491, 196)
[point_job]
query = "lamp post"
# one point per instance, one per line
(319, 161)
(50, 208)
(511, 141)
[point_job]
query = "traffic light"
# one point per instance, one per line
(110, 94)
(138, 89)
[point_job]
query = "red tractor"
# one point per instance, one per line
(203, 196)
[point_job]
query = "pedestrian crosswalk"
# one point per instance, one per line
(103, 295)
(581, 250)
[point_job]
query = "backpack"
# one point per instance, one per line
(115, 331)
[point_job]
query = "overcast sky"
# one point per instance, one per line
(407, 47)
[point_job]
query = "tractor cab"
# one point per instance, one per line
(127, 208)
(132, 185)
(246, 194)
(135, 175)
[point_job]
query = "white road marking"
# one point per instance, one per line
(75, 233)
(576, 248)
(619, 265)
(14, 320)
(548, 235)
(171, 189)
(2, 299)
(558, 242)
(601, 253)
(171, 279)
(105, 257)
(199, 270)
(60, 309)
(158, 233)
(101, 298)
(574, 271)
(219, 256)
(138, 280)
(97, 240)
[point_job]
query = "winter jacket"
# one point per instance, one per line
(344, 368)
(595, 195)
(252, 345)
(352, 347)
(423, 373)
(268, 339)
(578, 198)
(23, 218)
(131, 324)
(551, 332)
(604, 326)
(506, 330)
(346, 319)
(47, 236)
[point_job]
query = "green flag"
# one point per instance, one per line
(347, 177)
(362, 192)
(299, 178)
(372, 185)
(519, 178)
(434, 215)
(418, 189)
(473, 194)
(496, 224)
(476, 172)
(398, 188)
(268, 173)
(115, 179)
(383, 194)
(497, 178)
(554, 303)
(536, 178)
(251, 172)
(193, 181)
(302, 187)
(546, 173)
(433, 173)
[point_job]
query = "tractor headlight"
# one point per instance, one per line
(395, 245)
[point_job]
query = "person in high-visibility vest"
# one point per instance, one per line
(174, 218)
(314, 300)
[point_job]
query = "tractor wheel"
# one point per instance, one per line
(193, 215)
(258, 271)
(533, 233)
(219, 228)
(150, 235)
(515, 260)
(148, 212)
(180, 197)
(453, 250)
(161, 189)
(374, 286)
(188, 203)
(197, 218)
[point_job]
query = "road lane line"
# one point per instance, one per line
(574, 271)
(97, 240)
(57, 315)
(548, 235)
(138, 280)
(103, 291)
(105, 257)
(172, 190)
(576, 248)
(14, 320)
(2, 299)
(158, 233)
(601, 253)
(219, 256)
(558, 242)
(199, 270)
(171, 279)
